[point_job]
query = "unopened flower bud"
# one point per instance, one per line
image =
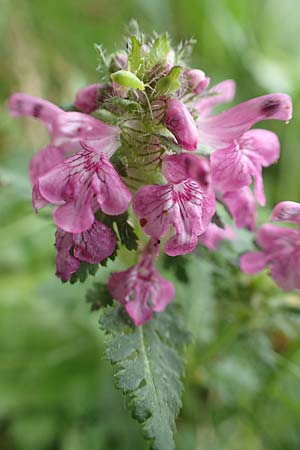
(180, 122)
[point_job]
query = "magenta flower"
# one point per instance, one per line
(182, 203)
(286, 212)
(76, 182)
(87, 99)
(221, 130)
(214, 235)
(41, 163)
(67, 129)
(280, 252)
(141, 288)
(233, 167)
(92, 246)
(181, 123)
(242, 207)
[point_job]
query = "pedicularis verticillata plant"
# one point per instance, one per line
(140, 160)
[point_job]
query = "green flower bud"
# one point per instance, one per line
(127, 79)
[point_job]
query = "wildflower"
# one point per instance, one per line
(67, 129)
(280, 248)
(92, 246)
(220, 93)
(141, 288)
(233, 167)
(76, 182)
(180, 122)
(182, 203)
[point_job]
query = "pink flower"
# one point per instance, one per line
(182, 203)
(76, 182)
(92, 246)
(281, 253)
(41, 163)
(286, 212)
(141, 288)
(214, 235)
(67, 129)
(87, 99)
(221, 130)
(242, 207)
(197, 80)
(180, 122)
(233, 167)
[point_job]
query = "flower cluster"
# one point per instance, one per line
(146, 140)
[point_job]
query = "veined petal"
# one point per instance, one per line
(229, 169)
(177, 168)
(286, 212)
(222, 129)
(95, 244)
(184, 205)
(43, 161)
(181, 123)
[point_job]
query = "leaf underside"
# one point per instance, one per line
(148, 367)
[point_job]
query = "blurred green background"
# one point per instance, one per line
(243, 377)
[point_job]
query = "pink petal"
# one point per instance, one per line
(285, 271)
(253, 263)
(66, 264)
(184, 205)
(43, 161)
(221, 130)
(223, 92)
(180, 122)
(75, 216)
(177, 168)
(139, 312)
(214, 235)
(286, 212)
(164, 295)
(88, 97)
(242, 207)
(273, 238)
(95, 244)
(229, 169)
(27, 105)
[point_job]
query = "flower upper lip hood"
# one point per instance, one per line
(67, 128)
(181, 123)
(219, 131)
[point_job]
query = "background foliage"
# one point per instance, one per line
(243, 373)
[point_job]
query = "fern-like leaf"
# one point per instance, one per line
(148, 366)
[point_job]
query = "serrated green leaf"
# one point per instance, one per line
(159, 50)
(85, 269)
(98, 296)
(148, 367)
(134, 59)
(169, 83)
